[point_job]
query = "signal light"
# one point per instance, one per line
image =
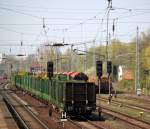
(115, 70)
(49, 69)
(99, 68)
(109, 67)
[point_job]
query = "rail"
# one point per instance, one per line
(131, 120)
(20, 121)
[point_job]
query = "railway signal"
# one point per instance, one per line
(109, 67)
(99, 71)
(115, 73)
(99, 68)
(109, 71)
(146, 73)
(115, 70)
(49, 69)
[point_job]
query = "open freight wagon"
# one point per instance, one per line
(73, 97)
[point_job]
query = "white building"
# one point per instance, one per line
(120, 73)
(1, 56)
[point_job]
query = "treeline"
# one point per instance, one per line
(121, 53)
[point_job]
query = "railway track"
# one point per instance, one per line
(132, 97)
(88, 124)
(25, 118)
(126, 104)
(128, 119)
(134, 121)
(83, 125)
(6, 119)
(80, 124)
(143, 99)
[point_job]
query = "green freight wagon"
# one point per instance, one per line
(74, 97)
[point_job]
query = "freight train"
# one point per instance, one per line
(104, 81)
(60, 92)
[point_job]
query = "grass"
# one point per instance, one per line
(128, 86)
(128, 111)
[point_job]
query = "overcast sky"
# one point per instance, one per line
(69, 20)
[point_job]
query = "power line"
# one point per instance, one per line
(19, 12)
(14, 31)
(62, 24)
(48, 8)
(130, 9)
(56, 11)
(82, 22)
(7, 41)
(133, 15)
(102, 21)
(24, 45)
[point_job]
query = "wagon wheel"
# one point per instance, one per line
(50, 110)
(56, 109)
(99, 112)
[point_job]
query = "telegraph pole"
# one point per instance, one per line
(72, 58)
(85, 59)
(137, 69)
(94, 56)
(107, 30)
(109, 63)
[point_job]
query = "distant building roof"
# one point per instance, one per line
(128, 75)
(35, 64)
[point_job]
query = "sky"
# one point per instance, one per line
(68, 21)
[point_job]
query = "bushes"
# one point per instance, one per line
(126, 86)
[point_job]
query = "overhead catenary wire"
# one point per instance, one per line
(133, 15)
(19, 12)
(35, 16)
(101, 25)
(47, 8)
(17, 32)
(83, 22)
(59, 24)
(70, 26)
(136, 9)
(59, 8)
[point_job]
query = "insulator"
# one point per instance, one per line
(21, 43)
(43, 23)
(113, 27)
